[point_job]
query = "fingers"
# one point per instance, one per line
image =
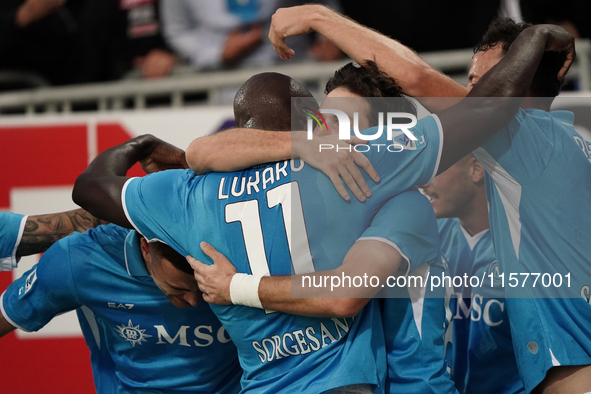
(194, 263)
(354, 140)
(366, 166)
(354, 180)
(210, 251)
(570, 58)
(338, 184)
(278, 41)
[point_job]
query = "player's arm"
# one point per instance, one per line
(237, 149)
(496, 97)
(98, 189)
(366, 257)
(415, 76)
(43, 292)
(5, 326)
(42, 231)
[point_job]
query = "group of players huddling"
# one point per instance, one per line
(270, 208)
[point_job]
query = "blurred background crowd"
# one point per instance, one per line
(62, 42)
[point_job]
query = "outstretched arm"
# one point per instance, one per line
(98, 189)
(415, 76)
(366, 257)
(237, 149)
(42, 231)
(496, 97)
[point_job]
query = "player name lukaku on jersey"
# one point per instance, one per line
(262, 180)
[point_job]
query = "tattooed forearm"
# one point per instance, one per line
(42, 231)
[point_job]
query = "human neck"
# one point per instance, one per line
(541, 103)
(475, 218)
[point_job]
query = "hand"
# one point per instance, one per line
(240, 43)
(288, 22)
(560, 40)
(157, 63)
(164, 157)
(214, 280)
(34, 10)
(337, 163)
(325, 51)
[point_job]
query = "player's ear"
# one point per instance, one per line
(145, 249)
(476, 170)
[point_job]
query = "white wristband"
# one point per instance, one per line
(244, 290)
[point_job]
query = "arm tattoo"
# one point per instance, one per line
(42, 231)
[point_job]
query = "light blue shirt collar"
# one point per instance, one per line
(134, 260)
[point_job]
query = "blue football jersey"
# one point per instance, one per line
(11, 231)
(482, 358)
(538, 190)
(280, 219)
(138, 340)
(414, 318)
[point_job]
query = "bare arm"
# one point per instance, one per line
(237, 149)
(225, 151)
(413, 74)
(42, 231)
(367, 257)
(5, 326)
(98, 189)
(496, 97)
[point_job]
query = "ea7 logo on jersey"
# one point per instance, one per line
(119, 306)
(132, 334)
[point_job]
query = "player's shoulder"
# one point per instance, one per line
(95, 245)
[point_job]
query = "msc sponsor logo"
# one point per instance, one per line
(132, 334)
(202, 336)
(477, 308)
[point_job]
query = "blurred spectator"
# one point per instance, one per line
(226, 33)
(426, 25)
(574, 15)
(37, 38)
(119, 35)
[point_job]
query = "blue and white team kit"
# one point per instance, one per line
(139, 341)
(280, 219)
(538, 189)
(481, 358)
(413, 319)
(12, 226)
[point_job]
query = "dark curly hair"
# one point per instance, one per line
(369, 81)
(503, 31)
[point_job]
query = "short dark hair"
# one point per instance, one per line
(503, 31)
(175, 258)
(369, 81)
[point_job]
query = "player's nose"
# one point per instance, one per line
(193, 298)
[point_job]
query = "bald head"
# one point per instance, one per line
(264, 102)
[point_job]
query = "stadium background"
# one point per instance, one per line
(48, 135)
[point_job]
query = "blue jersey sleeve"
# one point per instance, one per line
(43, 292)
(11, 230)
(156, 215)
(408, 224)
(522, 150)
